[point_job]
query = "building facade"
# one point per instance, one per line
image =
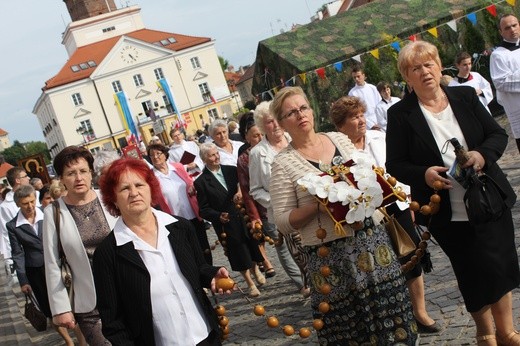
(4, 140)
(123, 81)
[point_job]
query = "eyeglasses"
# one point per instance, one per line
(157, 154)
(82, 172)
(25, 176)
(302, 110)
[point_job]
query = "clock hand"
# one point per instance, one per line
(131, 56)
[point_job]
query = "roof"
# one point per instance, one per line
(4, 167)
(248, 74)
(3, 132)
(98, 51)
(350, 33)
(232, 79)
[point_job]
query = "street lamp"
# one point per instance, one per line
(81, 130)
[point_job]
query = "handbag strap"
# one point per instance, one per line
(56, 205)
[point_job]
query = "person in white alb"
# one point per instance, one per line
(473, 79)
(387, 100)
(368, 93)
(179, 147)
(505, 72)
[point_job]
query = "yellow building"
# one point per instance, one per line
(119, 73)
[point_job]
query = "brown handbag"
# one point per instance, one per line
(34, 315)
(66, 271)
(401, 242)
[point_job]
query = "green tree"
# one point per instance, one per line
(14, 153)
(224, 63)
(18, 151)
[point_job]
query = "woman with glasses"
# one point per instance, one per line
(84, 223)
(361, 295)
(179, 193)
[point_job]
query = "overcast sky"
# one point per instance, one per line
(32, 51)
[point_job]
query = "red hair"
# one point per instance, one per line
(109, 181)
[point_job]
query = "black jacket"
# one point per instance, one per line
(123, 285)
(411, 148)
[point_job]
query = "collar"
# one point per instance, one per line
(21, 220)
(511, 45)
(463, 80)
(124, 235)
(177, 145)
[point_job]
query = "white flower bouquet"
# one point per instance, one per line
(353, 190)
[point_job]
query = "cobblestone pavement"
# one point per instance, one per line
(281, 298)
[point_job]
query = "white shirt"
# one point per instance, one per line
(228, 159)
(445, 126)
(477, 82)
(261, 158)
(381, 109)
(177, 150)
(8, 210)
(178, 318)
(505, 73)
(174, 191)
(375, 146)
(21, 220)
(369, 94)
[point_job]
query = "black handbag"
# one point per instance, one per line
(34, 315)
(484, 199)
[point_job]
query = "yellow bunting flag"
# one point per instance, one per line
(511, 2)
(375, 53)
(303, 77)
(433, 31)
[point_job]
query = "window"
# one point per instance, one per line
(204, 90)
(88, 131)
(83, 66)
(213, 113)
(158, 73)
(74, 68)
(172, 39)
(138, 80)
(91, 63)
(76, 98)
(146, 105)
(195, 62)
(168, 105)
(110, 28)
(165, 42)
(116, 85)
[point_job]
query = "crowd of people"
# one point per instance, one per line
(134, 231)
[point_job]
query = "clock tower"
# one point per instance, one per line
(82, 9)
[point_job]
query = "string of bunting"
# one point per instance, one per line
(396, 45)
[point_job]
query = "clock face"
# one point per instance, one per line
(129, 54)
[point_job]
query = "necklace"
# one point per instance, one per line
(322, 165)
(436, 103)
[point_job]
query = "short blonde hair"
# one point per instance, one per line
(276, 106)
(419, 50)
(261, 113)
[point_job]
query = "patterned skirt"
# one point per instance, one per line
(369, 301)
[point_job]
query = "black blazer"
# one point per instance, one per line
(123, 285)
(214, 199)
(26, 247)
(411, 148)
